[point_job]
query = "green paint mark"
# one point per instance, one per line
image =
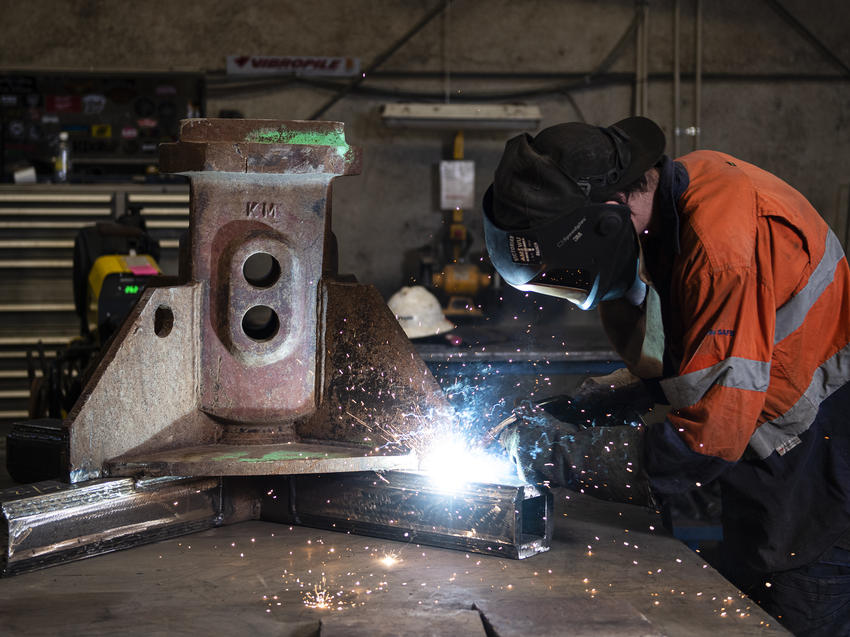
(299, 138)
(273, 456)
(231, 456)
(333, 138)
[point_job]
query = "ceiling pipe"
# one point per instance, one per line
(698, 75)
(645, 63)
(677, 80)
(641, 46)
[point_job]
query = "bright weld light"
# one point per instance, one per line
(452, 462)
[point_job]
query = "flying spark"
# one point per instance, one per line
(390, 559)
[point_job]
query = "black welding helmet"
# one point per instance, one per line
(547, 225)
(585, 256)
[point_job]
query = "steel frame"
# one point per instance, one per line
(49, 523)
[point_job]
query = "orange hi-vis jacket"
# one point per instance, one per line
(753, 291)
(760, 301)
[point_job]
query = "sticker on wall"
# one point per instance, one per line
(16, 129)
(17, 84)
(93, 104)
(299, 65)
(63, 104)
(457, 184)
(102, 131)
(129, 132)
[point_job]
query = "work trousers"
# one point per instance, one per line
(810, 601)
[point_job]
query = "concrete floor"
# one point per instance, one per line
(612, 570)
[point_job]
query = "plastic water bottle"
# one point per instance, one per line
(62, 164)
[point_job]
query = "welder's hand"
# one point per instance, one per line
(620, 398)
(605, 462)
(528, 437)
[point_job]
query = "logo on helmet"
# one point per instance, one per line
(524, 250)
(573, 234)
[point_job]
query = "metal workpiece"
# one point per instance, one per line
(257, 460)
(507, 520)
(265, 371)
(258, 209)
(264, 345)
(262, 146)
(48, 523)
(374, 387)
(143, 394)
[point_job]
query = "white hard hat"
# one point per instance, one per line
(419, 312)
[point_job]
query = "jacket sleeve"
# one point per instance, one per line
(727, 321)
(636, 333)
(672, 466)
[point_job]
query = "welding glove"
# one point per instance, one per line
(528, 439)
(606, 462)
(620, 398)
(602, 401)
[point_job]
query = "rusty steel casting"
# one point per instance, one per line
(263, 345)
(260, 194)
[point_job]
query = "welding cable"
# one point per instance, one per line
(355, 85)
(220, 88)
(807, 35)
(383, 57)
(598, 78)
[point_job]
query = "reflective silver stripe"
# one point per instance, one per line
(779, 434)
(791, 315)
(735, 372)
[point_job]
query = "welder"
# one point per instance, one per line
(728, 298)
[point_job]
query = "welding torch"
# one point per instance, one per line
(592, 407)
(562, 407)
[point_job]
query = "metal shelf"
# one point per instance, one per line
(38, 224)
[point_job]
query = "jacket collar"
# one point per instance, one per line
(661, 244)
(672, 184)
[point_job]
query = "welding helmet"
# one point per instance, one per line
(547, 226)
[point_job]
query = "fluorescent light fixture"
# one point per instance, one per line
(461, 116)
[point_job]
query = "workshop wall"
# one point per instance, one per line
(798, 128)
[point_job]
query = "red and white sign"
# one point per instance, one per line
(63, 104)
(296, 64)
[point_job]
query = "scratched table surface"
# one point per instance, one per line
(612, 570)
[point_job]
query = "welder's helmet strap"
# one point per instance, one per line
(591, 251)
